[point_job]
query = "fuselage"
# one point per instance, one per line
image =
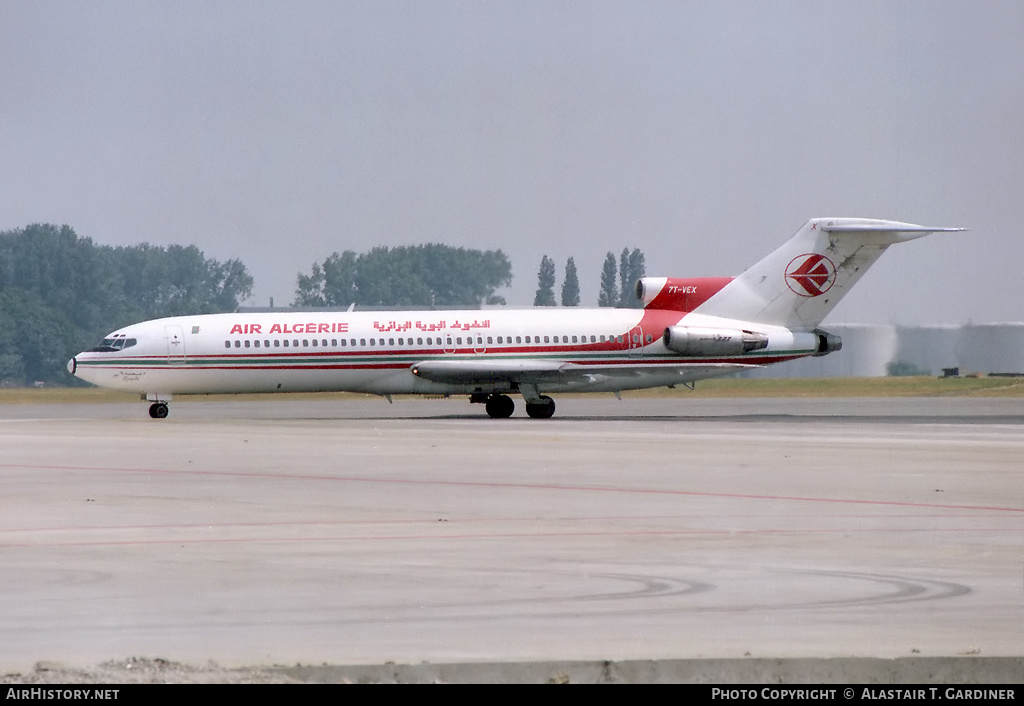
(377, 352)
(688, 330)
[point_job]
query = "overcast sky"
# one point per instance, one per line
(704, 133)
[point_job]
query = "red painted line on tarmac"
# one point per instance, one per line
(473, 520)
(466, 536)
(513, 486)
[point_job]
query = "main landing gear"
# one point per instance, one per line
(501, 406)
(158, 410)
(543, 408)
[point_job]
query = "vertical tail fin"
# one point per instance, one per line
(800, 283)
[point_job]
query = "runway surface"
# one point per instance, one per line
(358, 532)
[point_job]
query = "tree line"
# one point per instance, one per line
(433, 275)
(421, 276)
(616, 283)
(59, 292)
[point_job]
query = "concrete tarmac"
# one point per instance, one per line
(358, 532)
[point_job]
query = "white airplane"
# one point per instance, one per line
(688, 330)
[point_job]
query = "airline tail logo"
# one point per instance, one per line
(810, 275)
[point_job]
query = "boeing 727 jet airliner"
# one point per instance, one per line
(688, 330)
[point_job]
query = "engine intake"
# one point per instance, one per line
(695, 341)
(676, 294)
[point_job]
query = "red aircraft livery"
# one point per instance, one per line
(689, 329)
(811, 275)
(285, 327)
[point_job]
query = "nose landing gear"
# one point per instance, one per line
(158, 410)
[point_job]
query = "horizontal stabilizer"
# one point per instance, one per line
(901, 231)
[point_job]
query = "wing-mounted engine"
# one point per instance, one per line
(700, 341)
(678, 294)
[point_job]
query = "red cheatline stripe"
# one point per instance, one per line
(464, 535)
(635, 361)
(516, 486)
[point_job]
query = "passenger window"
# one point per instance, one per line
(277, 343)
(295, 343)
(391, 341)
(286, 343)
(314, 343)
(257, 343)
(362, 341)
(247, 343)
(238, 344)
(323, 343)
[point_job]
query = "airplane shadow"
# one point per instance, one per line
(895, 419)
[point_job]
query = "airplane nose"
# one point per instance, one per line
(72, 365)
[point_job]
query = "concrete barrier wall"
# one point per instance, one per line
(868, 350)
(991, 348)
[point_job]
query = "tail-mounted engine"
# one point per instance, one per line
(676, 294)
(827, 342)
(694, 341)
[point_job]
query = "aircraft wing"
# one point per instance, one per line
(530, 371)
(471, 372)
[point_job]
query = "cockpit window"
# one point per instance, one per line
(114, 344)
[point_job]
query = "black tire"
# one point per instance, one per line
(500, 406)
(158, 410)
(541, 410)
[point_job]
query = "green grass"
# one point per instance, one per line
(921, 386)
